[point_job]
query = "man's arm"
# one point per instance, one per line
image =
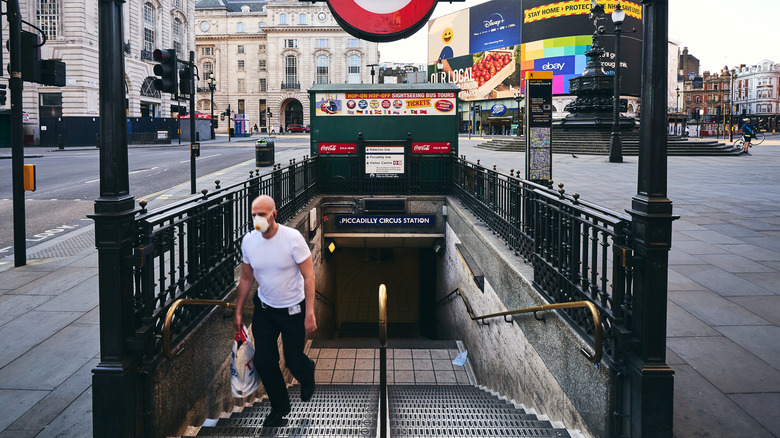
(307, 271)
(244, 284)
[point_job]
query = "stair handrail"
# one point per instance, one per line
(597, 331)
(171, 355)
(382, 361)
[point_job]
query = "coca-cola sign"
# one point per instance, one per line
(431, 147)
(338, 148)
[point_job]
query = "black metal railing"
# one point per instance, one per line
(291, 85)
(190, 249)
(147, 55)
(579, 251)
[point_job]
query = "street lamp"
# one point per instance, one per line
(616, 144)
(518, 98)
(212, 86)
(373, 72)
(677, 110)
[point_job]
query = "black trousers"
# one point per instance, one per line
(267, 324)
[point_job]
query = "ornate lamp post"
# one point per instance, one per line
(677, 110)
(212, 86)
(616, 143)
(518, 98)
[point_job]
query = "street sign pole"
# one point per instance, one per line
(193, 173)
(16, 86)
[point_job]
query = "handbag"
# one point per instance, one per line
(243, 377)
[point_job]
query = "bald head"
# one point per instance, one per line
(264, 202)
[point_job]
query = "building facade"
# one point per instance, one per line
(706, 99)
(70, 114)
(264, 55)
(757, 92)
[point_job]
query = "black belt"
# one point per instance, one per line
(265, 306)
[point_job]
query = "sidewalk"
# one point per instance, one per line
(723, 312)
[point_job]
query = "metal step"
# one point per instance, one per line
(459, 410)
(334, 411)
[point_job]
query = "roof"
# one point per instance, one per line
(378, 88)
(232, 5)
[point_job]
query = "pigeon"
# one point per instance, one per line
(574, 156)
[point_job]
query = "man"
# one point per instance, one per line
(279, 259)
(748, 131)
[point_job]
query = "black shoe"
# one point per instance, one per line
(307, 391)
(276, 417)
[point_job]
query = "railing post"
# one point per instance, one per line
(116, 387)
(651, 379)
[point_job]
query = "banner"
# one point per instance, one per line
(385, 104)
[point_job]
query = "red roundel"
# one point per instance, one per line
(444, 105)
(381, 21)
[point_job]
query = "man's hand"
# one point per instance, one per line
(310, 323)
(237, 323)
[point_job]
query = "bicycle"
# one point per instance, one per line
(757, 139)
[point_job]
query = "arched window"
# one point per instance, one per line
(282, 18)
(149, 42)
(245, 8)
(353, 69)
(322, 69)
(301, 18)
(147, 88)
(291, 71)
(239, 27)
(177, 36)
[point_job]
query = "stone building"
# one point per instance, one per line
(264, 55)
(706, 99)
(69, 114)
(757, 92)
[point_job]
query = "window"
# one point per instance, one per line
(147, 88)
(206, 51)
(208, 68)
(149, 27)
(322, 43)
(261, 48)
(353, 69)
(290, 70)
(290, 43)
(241, 86)
(48, 14)
(240, 65)
(245, 8)
(353, 43)
(260, 26)
(322, 69)
(240, 49)
(282, 18)
(263, 84)
(261, 65)
(177, 36)
(301, 18)
(241, 106)
(239, 27)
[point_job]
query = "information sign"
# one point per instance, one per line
(538, 131)
(385, 161)
(355, 220)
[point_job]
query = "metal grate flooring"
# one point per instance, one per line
(459, 410)
(334, 411)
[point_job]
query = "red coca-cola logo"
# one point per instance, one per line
(337, 148)
(444, 105)
(432, 147)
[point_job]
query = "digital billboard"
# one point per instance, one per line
(506, 38)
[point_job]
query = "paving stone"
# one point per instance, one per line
(80, 298)
(762, 341)
(17, 278)
(762, 407)
(766, 307)
(732, 230)
(719, 281)
(701, 410)
(51, 362)
(75, 421)
(54, 283)
(752, 252)
(13, 306)
(679, 322)
(14, 403)
(22, 334)
(729, 367)
(715, 310)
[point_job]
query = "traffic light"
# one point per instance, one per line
(185, 76)
(2, 94)
(270, 114)
(166, 70)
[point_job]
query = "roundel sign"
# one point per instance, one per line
(381, 21)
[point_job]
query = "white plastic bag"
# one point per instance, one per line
(243, 377)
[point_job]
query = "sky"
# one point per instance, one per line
(717, 32)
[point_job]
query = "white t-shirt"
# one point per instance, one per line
(275, 262)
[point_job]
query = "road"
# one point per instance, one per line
(68, 181)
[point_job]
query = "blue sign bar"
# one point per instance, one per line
(385, 220)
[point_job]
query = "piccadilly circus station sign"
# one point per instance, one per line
(381, 20)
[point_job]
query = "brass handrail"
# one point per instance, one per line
(597, 336)
(382, 315)
(382, 361)
(169, 316)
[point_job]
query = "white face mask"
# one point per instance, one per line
(261, 224)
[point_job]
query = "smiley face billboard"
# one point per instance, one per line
(487, 49)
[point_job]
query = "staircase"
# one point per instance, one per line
(442, 407)
(597, 143)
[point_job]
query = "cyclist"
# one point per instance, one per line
(748, 132)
